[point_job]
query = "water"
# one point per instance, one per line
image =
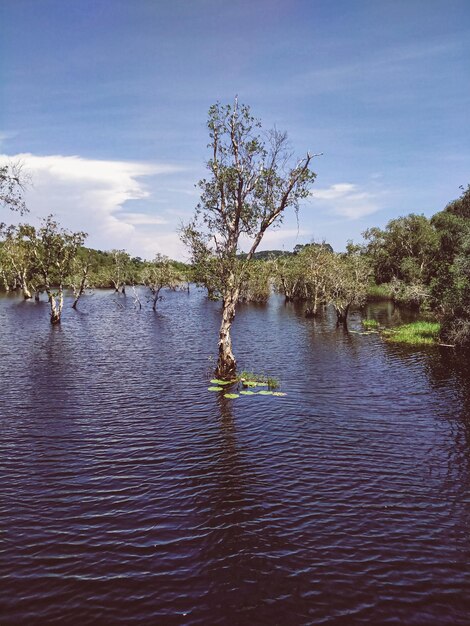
(129, 494)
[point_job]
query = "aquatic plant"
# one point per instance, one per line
(216, 381)
(370, 324)
(416, 333)
(231, 395)
(215, 389)
(250, 379)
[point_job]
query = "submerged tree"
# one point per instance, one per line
(158, 274)
(120, 270)
(18, 261)
(251, 183)
(54, 250)
(349, 275)
(317, 261)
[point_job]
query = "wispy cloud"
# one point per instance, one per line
(89, 195)
(348, 200)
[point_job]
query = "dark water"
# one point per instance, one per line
(129, 494)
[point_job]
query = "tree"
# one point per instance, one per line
(12, 186)
(251, 184)
(18, 260)
(79, 280)
(289, 278)
(120, 270)
(348, 281)
(316, 260)
(256, 285)
(158, 274)
(405, 249)
(54, 251)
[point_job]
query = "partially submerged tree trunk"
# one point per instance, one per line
(156, 295)
(226, 364)
(312, 311)
(342, 315)
(57, 302)
(81, 287)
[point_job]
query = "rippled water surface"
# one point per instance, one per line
(129, 494)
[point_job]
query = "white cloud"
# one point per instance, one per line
(86, 194)
(141, 219)
(348, 200)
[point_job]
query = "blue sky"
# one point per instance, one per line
(106, 102)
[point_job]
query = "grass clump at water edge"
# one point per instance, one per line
(370, 324)
(415, 334)
(250, 379)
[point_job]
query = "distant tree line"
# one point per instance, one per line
(417, 261)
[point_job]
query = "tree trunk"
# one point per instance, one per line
(342, 315)
(155, 299)
(313, 310)
(226, 364)
(56, 303)
(24, 286)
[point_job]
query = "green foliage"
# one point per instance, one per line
(256, 285)
(12, 186)
(250, 379)
(404, 250)
(370, 324)
(416, 333)
(158, 274)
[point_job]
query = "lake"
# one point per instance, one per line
(130, 494)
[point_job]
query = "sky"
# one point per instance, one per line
(105, 103)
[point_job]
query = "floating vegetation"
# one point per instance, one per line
(370, 324)
(249, 382)
(416, 333)
(250, 379)
(252, 383)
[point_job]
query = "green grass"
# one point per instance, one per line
(250, 379)
(415, 334)
(379, 292)
(370, 324)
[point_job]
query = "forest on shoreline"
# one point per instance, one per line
(253, 179)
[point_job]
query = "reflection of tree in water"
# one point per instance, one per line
(242, 548)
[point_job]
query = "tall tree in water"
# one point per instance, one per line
(252, 181)
(54, 250)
